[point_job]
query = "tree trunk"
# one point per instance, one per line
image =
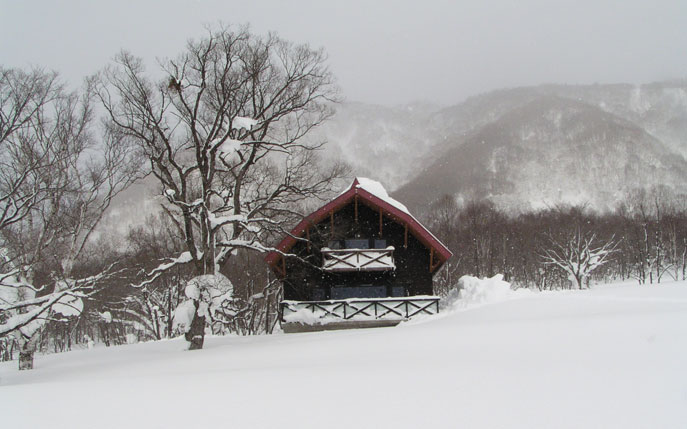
(267, 312)
(196, 335)
(26, 356)
(170, 314)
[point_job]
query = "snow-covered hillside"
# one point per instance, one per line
(549, 151)
(610, 357)
(518, 148)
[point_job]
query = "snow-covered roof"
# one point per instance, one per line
(373, 193)
(377, 189)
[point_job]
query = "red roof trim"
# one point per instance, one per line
(400, 216)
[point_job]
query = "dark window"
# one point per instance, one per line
(380, 244)
(358, 243)
(362, 291)
(318, 294)
(334, 244)
(398, 291)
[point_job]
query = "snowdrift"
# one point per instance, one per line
(472, 291)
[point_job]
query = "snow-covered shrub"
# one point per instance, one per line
(210, 294)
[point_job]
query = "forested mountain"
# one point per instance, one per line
(524, 147)
(548, 151)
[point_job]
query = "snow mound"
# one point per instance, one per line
(484, 291)
(472, 291)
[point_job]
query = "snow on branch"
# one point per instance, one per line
(241, 122)
(246, 222)
(23, 320)
(184, 258)
(246, 244)
(66, 299)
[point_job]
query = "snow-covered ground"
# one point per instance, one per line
(611, 357)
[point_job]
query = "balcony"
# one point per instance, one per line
(347, 260)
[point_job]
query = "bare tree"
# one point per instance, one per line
(24, 150)
(56, 183)
(223, 133)
(577, 256)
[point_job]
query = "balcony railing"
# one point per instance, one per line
(358, 309)
(343, 260)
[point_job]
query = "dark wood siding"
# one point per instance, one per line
(304, 281)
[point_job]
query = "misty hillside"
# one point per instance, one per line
(381, 142)
(547, 151)
(660, 108)
(522, 147)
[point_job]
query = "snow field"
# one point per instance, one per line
(609, 357)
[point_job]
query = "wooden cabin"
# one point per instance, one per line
(361, 260)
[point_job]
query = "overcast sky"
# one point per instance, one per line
(385, 52)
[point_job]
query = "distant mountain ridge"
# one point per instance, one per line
(527, 147)
(551, 150)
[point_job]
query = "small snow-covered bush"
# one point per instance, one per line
(209, 293)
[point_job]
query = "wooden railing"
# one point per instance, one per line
(359, 309)
(342, 260)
